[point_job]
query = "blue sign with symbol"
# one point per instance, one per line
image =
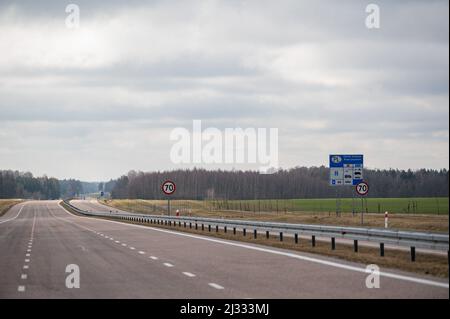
(346, 170)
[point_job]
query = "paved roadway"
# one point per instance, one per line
(39, 239)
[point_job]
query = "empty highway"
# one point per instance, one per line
(39, 239)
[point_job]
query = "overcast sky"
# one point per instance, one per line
(97, 101)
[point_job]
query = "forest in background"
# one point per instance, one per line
(300, 182)
(15, 184)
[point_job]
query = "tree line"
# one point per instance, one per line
(299, 182)
(15, 184)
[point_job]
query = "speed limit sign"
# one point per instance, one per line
(362, 188)
(168, 187)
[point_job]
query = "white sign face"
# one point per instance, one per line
(362, 188)
(168, 187)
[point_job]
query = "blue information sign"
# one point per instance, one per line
(346, 170)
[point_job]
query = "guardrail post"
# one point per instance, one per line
(313, 241)
(333, 243)
(281, 236)
(179, 224)
(190, 225)
(184, 224)
(217, 228)
(267, 234)
(234, 230)
(244, 232)
(209, 228)
(224, 229)
(355, 245)
(413, 254)
(255, 233)
(196, 227)
(203, 227)
(296, 238)
(382, 249)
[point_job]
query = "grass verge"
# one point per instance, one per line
(6, 204)
(416, 222)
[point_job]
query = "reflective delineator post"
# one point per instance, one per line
(386, 219)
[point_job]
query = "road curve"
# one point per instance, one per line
(39, 239)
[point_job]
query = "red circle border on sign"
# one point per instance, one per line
(356, 188)
(174, 187)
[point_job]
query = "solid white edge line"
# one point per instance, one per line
(282, 253)
(7, 220)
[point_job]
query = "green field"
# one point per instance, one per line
(371, 205)
(429, 206)
(421, 214)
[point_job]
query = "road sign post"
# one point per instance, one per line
(168, 188)
(362, 189)
(345, 170)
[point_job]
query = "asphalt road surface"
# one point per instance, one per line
(40, 243)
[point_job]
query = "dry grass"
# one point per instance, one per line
(426, 264)
(428, 223)
(6, 204)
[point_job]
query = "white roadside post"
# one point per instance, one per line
(386, 219)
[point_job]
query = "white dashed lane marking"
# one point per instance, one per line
(21, 288)
(188, 274)
(23, 276)
(214, 285)
(25, 266)
(168, 265)
(27, 260)
(124, 245)
(132, 248)
(153, 257)
(141, 252)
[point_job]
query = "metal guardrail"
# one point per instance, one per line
(378, 235)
